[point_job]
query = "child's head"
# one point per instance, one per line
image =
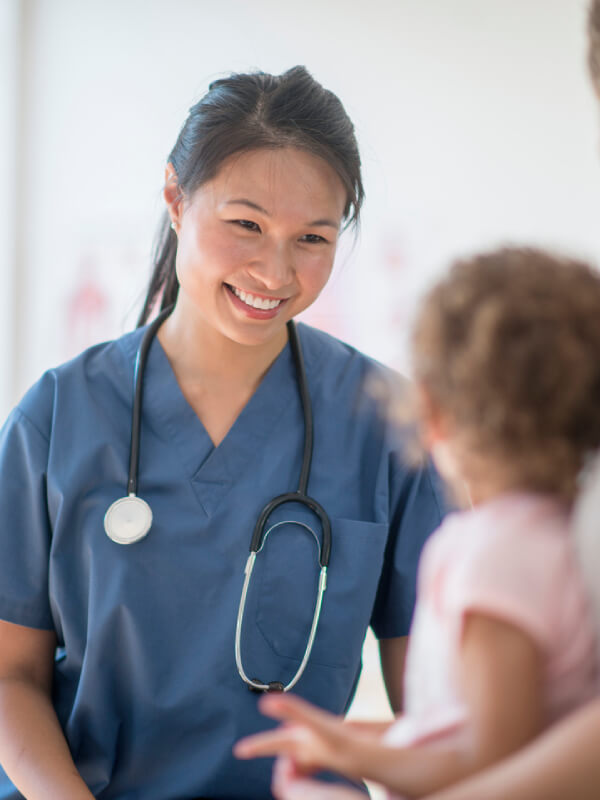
(506, 354)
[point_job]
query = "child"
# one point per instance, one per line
(507, 372)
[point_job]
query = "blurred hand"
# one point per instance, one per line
(290, 784)
(312, 738)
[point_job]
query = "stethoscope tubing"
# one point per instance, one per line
(299, 496)
(138, 395)
(306, 407)
(136, 506)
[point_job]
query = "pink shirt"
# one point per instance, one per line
(513, 559)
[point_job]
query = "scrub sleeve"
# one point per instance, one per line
(419, 508)
(25, 543)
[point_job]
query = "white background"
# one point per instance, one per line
(476, 121)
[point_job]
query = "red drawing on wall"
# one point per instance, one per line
(87, 312)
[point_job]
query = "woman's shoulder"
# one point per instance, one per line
(328, 355)
(67, 387)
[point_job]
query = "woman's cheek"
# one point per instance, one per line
(316, 270)
(232, 254)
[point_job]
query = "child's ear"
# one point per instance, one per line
(434, 425)
(438, 438)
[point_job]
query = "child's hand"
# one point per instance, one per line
(314, 739)
(289, 784)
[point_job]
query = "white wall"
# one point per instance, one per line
(9, 126)
(475, 117)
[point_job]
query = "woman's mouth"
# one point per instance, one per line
(255, 301)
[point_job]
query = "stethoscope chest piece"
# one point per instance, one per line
(128, 520)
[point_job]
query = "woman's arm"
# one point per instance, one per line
(500, 672)
(393, 658)
(563, 763)
(33, 749)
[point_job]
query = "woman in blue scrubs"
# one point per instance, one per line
(118, 677)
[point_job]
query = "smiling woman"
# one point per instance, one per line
(245, 233)
(118, 663)
(241, 279)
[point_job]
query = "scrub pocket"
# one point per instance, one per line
(288, 583)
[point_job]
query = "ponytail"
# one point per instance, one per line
(164, 281)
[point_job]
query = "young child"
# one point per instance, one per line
(507, 377)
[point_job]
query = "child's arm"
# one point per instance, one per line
(562, 763)
(501, 676)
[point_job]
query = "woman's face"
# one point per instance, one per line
(256, 243)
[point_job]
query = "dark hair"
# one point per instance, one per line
(593, 52)
(507, 347)
(248, 112)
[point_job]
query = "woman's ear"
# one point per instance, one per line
(173, 196)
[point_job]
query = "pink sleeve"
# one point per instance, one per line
(514, 576)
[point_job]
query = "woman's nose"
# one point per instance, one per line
(274, 268)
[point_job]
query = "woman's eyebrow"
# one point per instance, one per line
(245, 202)
(242, 201)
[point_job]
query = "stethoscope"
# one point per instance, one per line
(129, 518)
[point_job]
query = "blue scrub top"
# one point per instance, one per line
(146, 687)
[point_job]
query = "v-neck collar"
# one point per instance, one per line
(213, 470)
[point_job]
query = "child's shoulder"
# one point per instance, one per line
(505, 535)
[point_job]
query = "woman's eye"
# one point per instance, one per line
(313, 238)
(247, 224)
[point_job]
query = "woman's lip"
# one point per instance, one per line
(250, 311)
(233, 286)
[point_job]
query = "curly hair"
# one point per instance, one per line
(593, 26)
(507, 347)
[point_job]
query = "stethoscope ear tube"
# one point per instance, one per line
(259, 535)
(309, 502)
(257, 685)
(138, 392)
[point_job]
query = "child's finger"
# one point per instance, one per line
(286, 769)
(293, 708)
(285, 740)
(285, 772)
(303, 788)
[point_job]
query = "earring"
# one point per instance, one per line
(172, 226)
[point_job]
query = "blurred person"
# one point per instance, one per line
(506, 355)
(560, 763)
(564, 762)
(130, 638)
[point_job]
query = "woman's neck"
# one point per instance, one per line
(201, 355)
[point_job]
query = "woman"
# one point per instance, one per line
(118, 676)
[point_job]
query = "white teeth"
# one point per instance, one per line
(256, 302)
